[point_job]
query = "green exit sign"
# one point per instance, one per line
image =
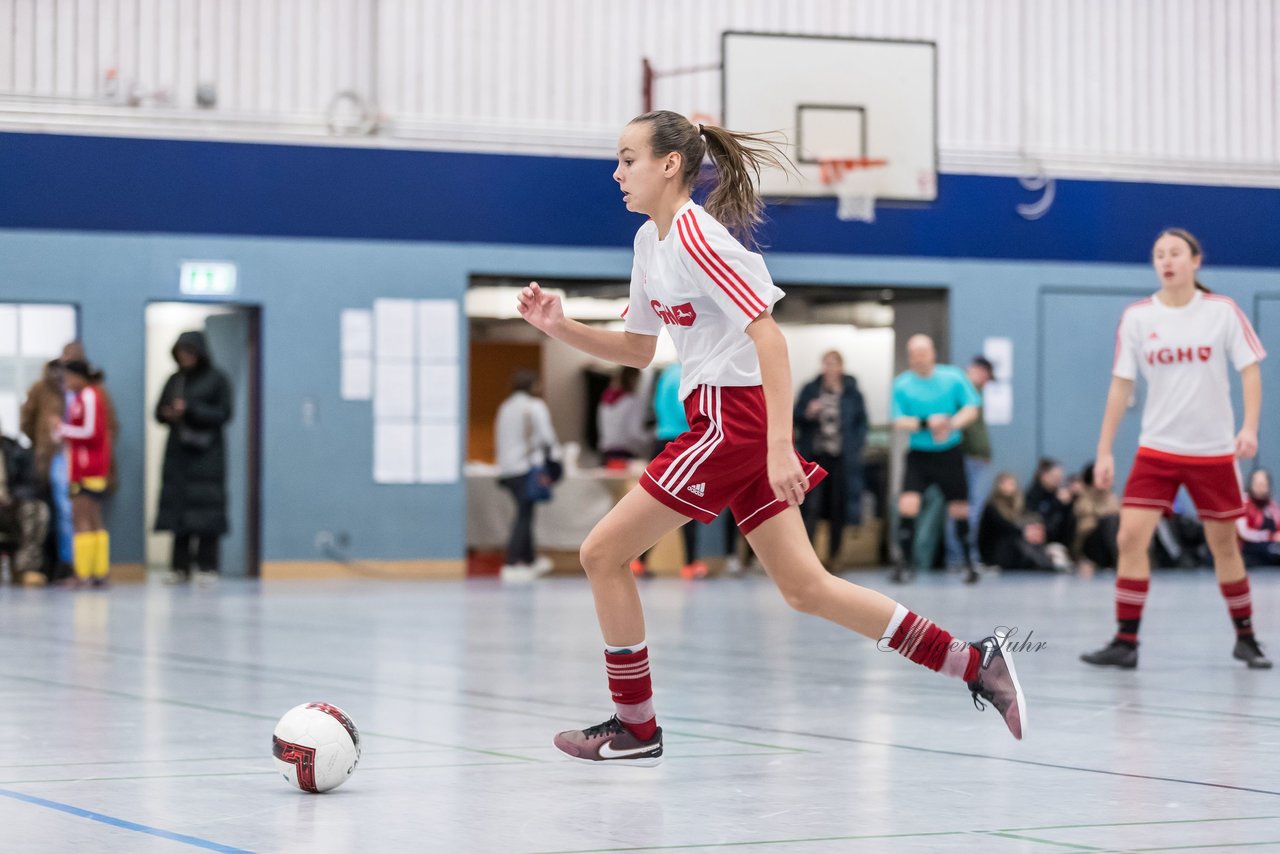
(208, 278)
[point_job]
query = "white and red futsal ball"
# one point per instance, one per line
(316, 747)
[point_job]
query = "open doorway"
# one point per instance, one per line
(232, 333)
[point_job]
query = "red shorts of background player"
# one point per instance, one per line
(1213, 483)
(722, 460)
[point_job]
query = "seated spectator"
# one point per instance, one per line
(1049, 498)
(1259, 527)
(24, 518)
(1097, 513)
(1007, 536)
(620, 420)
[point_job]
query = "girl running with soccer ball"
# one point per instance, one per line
(691, 275)
(1181, 340)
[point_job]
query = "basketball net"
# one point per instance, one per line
(855, 183)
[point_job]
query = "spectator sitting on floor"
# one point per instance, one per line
(1097, 513)
(1259, 527)
(1007, 536)
(1049, 498)
(24, 518)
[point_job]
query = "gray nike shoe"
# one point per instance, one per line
(611, 742)
(1250, 652)
(997, 683)
(1115, 654)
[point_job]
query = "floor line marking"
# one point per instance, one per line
(193, 841)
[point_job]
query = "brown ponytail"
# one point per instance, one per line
(1193, 244)
(737, 157)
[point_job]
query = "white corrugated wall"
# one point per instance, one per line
(1146, 89)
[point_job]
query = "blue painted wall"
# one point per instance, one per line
(105, 224)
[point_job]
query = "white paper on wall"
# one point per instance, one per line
(393, 452)
(393, 390)
(438, 393)
(357, 378)
(997, 402)
(357, 332)
(393, 329)
(438, 457)
(46, 329)
(999, 352)
(437, 331)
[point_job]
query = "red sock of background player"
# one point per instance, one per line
(1131, 596)
(1239, 605)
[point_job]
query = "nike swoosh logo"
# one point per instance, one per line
(988, 654)
(607, 752)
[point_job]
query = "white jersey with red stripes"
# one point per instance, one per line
(705, 287)
(1184, 354)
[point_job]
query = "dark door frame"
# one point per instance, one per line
(253, 474)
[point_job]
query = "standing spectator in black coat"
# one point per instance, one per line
(195, 403)
(831, 429)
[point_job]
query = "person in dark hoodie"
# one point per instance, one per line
(195, 403)
(831, 429)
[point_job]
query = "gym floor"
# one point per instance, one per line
(139, 719)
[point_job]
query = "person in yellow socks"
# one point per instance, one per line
(84, 430)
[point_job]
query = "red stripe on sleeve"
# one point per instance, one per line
(744, 290)
(695, 253)
(1250, 337)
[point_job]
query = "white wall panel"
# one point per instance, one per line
(1155, 89)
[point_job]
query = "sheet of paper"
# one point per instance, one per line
(46, 329)
(393, 329)
(438, 455)
(437, 331)
(438, 393)
(393, 390)
(357, 377)
(393, 452)
(997, 403)
(357, 332)
(999, 352)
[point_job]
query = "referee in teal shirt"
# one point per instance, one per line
(933, 403)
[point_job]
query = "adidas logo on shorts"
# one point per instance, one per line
(699, 489)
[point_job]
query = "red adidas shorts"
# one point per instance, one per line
(722, 460)
(1213, 483)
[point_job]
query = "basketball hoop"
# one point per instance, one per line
(854, 181)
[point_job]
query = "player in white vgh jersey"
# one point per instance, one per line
(691, 276)
(1182, 340)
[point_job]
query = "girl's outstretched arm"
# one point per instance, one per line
(543, 310)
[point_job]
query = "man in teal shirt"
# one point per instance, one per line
(933, 403)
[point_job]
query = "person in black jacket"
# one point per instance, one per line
(1007, 536)
(195, 403)
(1049, 498)
(24, 518)
(831, 429)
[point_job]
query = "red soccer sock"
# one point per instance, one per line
(920, 640)
(1131, 596)
(632, 691)
(1240, 606)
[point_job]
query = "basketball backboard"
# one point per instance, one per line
(837, 99)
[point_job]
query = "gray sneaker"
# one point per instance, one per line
(1250, 652)
(997, 683)
(1114, 654)
(611, 742)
